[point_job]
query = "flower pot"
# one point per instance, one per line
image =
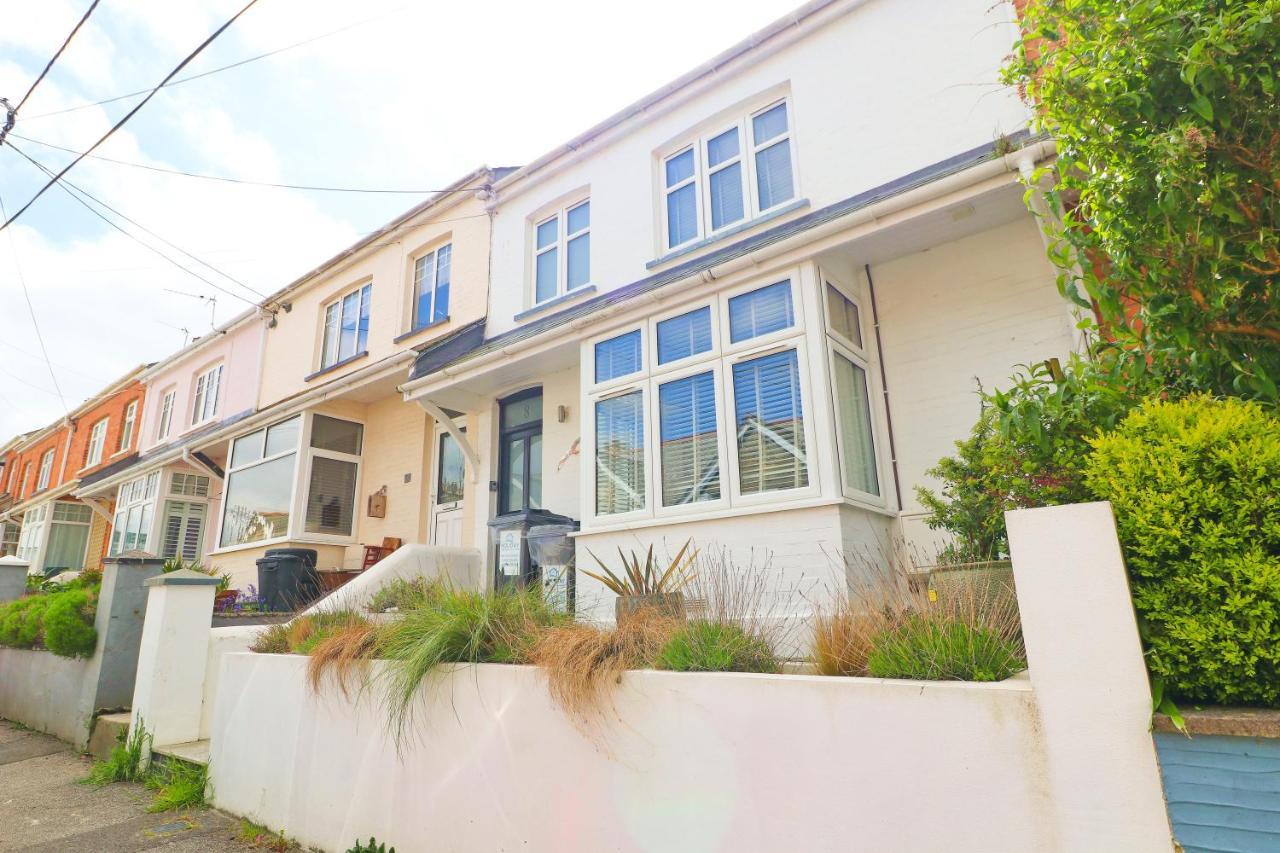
(668, 605)
(226, 598)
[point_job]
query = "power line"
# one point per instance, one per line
(131, 112)
(237, 64)
(224, 178)
(72, 190)
(35, 324)
(137, 224)
(65, 42)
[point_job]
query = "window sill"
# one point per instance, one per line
(698, 246)
(557, 302)
(714, 515)
(280, 541)
(336, 365)
(419, 330)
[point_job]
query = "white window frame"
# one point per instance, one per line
(166, 414)
(132, 501)
(127, 427)
(561, 246)
(364, 293)
(415, 323)
(97, 442)
(202, 412)
(296, 531)
(838, 344)
(719, 361)
(34, 534)
(46, 470)
(747, 149)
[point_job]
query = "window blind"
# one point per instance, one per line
(620, 454)
(769, 423)
(683, 336)
(618, 356)
(183, 530)
(690, 459)
(853, 407)
(331, 497)
(760, 312)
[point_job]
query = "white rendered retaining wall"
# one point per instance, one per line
(43, 691)
(1060, 759)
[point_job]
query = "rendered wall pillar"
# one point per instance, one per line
(121, 606)
(169, 690)
(13, 578)
(1086, 666)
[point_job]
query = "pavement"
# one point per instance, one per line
(44, 808)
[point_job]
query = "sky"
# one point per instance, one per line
(389, 95)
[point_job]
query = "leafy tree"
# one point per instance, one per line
(1168, 191)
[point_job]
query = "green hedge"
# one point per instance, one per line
(1196, 489)
(60, 621)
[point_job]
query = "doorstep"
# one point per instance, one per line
(107, 730)
(195, 751)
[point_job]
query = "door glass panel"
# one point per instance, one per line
(449, 478)
(514, 491)
(535, 472)
(520, 413)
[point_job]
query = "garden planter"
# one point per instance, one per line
(223, 600)
(991, 582)
(667, 604)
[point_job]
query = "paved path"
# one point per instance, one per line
(43, 807)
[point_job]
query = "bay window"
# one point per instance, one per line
(726, 417)
(346, 327)
(562, 252)
(134, 514)
(432, 274)
(728, 176)
(68, 536)
(32, 535)
(298, 477)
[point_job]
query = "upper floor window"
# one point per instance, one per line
(562, 252)
(126, 429)
(166, 415)
(728, 176)
(46, 471)
(205, 400)
(346, 327)
(26, 478)
(431, 276)
(97, 439)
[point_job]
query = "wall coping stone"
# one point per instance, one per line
(1231, 722)
(182, 577)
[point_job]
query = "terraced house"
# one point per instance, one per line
(57, 530)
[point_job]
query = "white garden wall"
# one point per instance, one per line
(43, 691)
(1060, 759)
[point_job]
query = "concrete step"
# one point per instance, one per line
(195, 752)
(107, 729)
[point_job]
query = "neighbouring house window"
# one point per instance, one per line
(204, 403)
(855, 438)
(431, 276)
(769, 423)
(562, 252)
(32, 536)
(335, 469)
(68, 536)
(97, 440)
(260, 502)
(619, 428)
(618, 356)
(520, 452)
(189, 485)
(727, 176)
(346, 327)
(126, 429)
(10, 534)
(46, 471)
(166, 415)
(135, 511)
(700, 428)
(259, 487)
(182, 530)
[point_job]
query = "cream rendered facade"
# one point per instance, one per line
(331, 430)
(900, 196)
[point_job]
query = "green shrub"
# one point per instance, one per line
(1195, 485)
(947, 649)
(62, 620)
(125, 762)
(68, 624)
(178, 785)
(706, 646)
(372, 847)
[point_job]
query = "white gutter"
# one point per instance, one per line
(870, 215)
